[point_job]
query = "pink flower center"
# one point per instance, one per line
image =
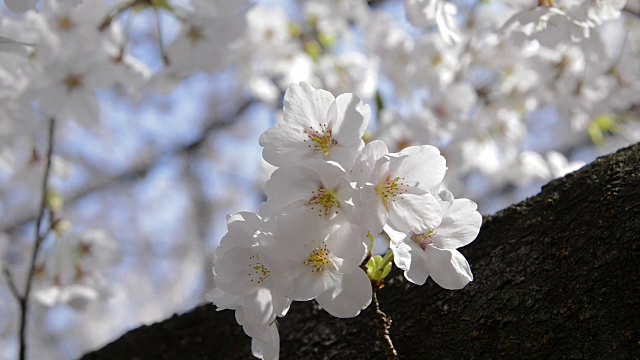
(423, 240)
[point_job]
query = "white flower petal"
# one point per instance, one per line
(348, 299)
(269, 349)
(306, 106)
(365, 163)
(346, 241)
(409, 257)
(258, 306)
(308, 284)
(448, 268)
(415, 212)
(424, 168)
(353, 119)
(285, 144)
(376, 215)
(460, 225)
(232, 271)
(291, 184)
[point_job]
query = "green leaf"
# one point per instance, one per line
(600, 126)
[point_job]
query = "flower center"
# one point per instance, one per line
(423, 240)
(195, 34)
(258, 273)
(318, 259)
(321, 141)
(65, 23)
(389, 189)
(72, 82)
(325, 200)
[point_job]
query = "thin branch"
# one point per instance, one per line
(631, 11)
(38, 238)
(384, 323)
(12, 285)
(163, 53)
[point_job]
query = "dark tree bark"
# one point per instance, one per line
(556, 276)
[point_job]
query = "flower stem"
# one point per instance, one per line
(388, 257)
(384, 323)
(373, 241)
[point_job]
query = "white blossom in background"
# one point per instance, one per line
(20, 6)
(71, 270)
(424, 13)
(203, 42)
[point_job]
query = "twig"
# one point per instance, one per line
(631, 11)
(384, 323)
(12, 285)
(38, 238)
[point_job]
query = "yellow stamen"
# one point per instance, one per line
(258, 273)
(321, 141)
(389, 189)
(326, 199)
(318, 259)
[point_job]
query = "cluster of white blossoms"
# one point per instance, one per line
(328, 198)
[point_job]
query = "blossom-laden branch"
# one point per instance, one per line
(330, 193)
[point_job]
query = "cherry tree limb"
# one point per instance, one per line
(554, 277)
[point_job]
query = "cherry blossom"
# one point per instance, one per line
(399, 189)
(316, 125)
(239, 269)
(432, 252)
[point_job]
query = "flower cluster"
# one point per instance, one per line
(328, 198)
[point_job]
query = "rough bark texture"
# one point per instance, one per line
(556, 276)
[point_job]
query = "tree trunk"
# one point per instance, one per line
(556, 276)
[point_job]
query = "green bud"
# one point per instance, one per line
(54, 201)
